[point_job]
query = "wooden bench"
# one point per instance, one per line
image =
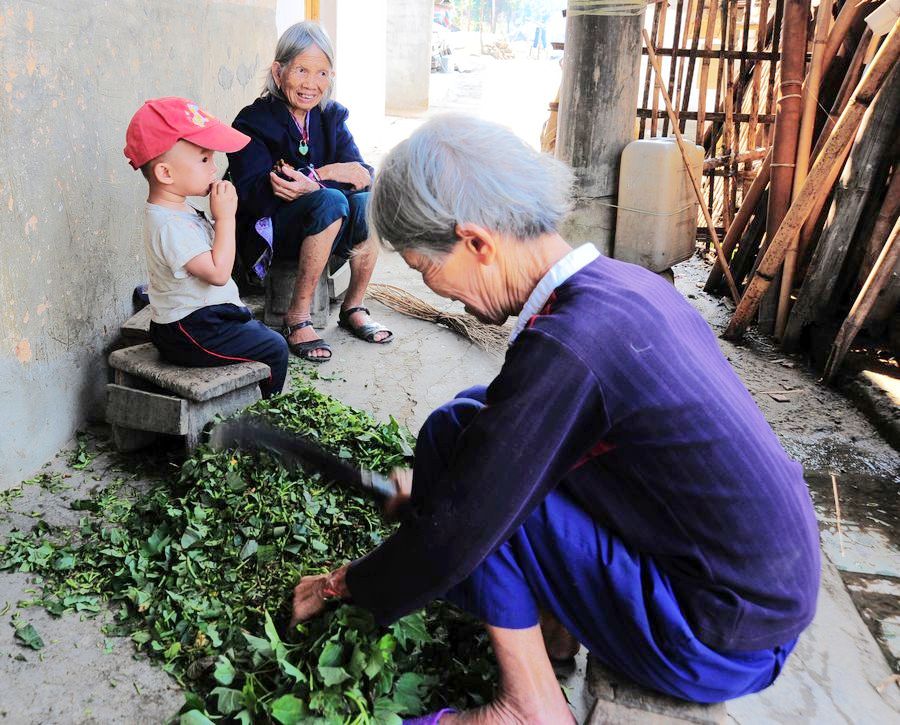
(620, 701)
(280, 282)
(150, 396)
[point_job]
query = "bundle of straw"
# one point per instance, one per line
(492, 338)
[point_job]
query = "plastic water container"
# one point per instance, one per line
(656, 222)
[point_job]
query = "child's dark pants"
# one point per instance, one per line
(223, 335)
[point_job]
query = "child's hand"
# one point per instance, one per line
(222, 200)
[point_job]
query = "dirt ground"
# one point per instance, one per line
(833, 676)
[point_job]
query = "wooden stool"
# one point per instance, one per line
(150, 396)
(280, 289)
(619, 701)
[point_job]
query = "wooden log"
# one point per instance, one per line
(889, 299)
(590, 100)
(691, 175)
(876, 134)
(804, 141)
(787, 129)
(851, 79)
(812, 189)
(890, 208)
(880, 274)
(748, 209)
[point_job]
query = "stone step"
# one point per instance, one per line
(620, 701)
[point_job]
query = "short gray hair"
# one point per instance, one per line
(294, 41)
(456, 169)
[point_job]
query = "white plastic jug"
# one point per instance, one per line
(656, 219)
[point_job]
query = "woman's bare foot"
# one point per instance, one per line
(504, 711)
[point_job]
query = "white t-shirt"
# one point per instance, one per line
(172, 239)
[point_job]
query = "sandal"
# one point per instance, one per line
(365, 332)
(302, 349)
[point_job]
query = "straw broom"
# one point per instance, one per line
(492, 338)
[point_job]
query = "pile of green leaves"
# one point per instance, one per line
(199, 570)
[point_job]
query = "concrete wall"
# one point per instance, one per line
(71, 75)
(408, 56)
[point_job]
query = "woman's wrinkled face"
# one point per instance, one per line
(305, 79)
(459, 276)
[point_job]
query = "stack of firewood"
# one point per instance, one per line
(816, 232)
(499, 49)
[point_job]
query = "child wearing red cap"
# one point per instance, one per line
(197, 317)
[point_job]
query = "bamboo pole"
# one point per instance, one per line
(686, 33)
(747, 209)
(777, 20)
(692, 63)
(757, 72)
(787, 130)
(878, 277)
(704, 69)
(813, 187)
(648, 81)
(847, 17)
(807, 123)
(679, 7)
(660, 40)
(744, 157)
(694, 182)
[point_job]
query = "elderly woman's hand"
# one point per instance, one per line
(351, 172)
(292, 188)
(312, 592)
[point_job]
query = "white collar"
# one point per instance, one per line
(573, 262)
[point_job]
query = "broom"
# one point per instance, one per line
(492, 338)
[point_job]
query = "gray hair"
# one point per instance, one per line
(456, 169)
(294, 41)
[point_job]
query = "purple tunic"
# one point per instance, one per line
(619, 392)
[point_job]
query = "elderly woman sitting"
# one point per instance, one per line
(300, 184)
(615, 483)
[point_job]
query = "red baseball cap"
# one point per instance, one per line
(161, 122)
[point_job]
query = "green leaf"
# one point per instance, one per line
(194, 717)
(28, 636)
(224, 672)
(228, 700)
(331, 655)
(259, 645)
(408, 693)
(249, 549)
(333, 675)
(287, 710)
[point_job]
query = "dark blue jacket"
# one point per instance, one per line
(274, 135)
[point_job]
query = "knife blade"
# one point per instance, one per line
(252, 433)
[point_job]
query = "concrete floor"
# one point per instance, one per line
(833, 676)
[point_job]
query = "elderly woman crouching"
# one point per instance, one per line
(301, 185)
(615, 482)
